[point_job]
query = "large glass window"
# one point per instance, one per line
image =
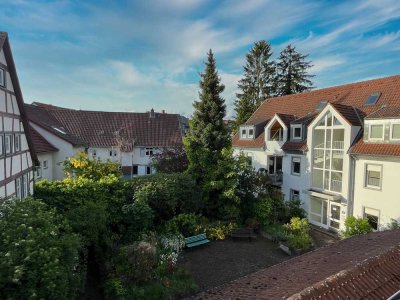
(328, 153)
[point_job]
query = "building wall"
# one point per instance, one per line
(45, 172)
(65, 148)
(386, 199)
(17, 163)
(258, 156)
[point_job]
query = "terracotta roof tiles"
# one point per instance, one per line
(295, 146)
(40, 143)
(362, 148)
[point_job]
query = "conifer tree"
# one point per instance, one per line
(291, 73)
(257, 82)
(208, 146)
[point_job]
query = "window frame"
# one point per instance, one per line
(45, 164)
(292, 166)
(292, 194)
(376, 139)
(38, 171)
(148, 170)
(250, 136)
(377, 211)
(17, 142)
(18, 187)
(391, 132)
(373, 187)
(2, 149)
(10, 144)
(149, 151)
(294, 137)
(113, 153)
(3, 76)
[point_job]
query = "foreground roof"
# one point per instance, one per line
(40, 143)
(349, 100)
(108, 129)
(365, 256)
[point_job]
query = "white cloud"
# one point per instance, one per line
(326, 63)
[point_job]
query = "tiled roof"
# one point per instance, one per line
(40, 143)
(307, 119)
(375, 278)
(385, 112)
(293, 276)
(295, 146)
(386, 149)
(258, 142)
(108, 129)
(350, 113)
(349, 95)
(286, 119)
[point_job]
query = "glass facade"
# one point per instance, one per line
(328, 153)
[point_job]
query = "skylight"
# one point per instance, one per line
(372, 99)
(321, 105)
(59, 130)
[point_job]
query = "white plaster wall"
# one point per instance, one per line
(104, 154)
(65, 150)
(387, 199)
(258, 156)
(46, 173)
(2, 101)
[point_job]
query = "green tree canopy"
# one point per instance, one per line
(292, 73)
(257, 82)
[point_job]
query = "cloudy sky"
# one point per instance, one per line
(134, 55)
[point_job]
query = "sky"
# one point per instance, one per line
(138, 55)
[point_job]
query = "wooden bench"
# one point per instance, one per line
(243, 233)
(196, 240)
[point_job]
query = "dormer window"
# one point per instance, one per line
(247, 132)
(243, 133)
(2, 78)
(395, 132)
(376, 132)
(251, 133)
(296, 131)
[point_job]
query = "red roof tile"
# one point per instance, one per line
(286, 119)
(295, 146)
(258, 142)
(108, 129)
(40, 143)
(385, 112)
(293, 276)
(363, 148)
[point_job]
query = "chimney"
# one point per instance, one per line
(163, 111)
(152, 114)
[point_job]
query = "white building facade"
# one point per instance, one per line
(335, 149)
(17, 156)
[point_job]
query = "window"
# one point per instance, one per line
(94, 152)
(148, 170)
(372, 215)
(25, 184)
(376, 132)
(2, 78)
(372, 99)
(296, 166)
(17, 142)
(294, 195)
(149, 151)
(38, 172)
(22, 186)
(8, 143)
(243, 133)
(395, 132)
(297, 132)
(373, 176)
(18, 187)
(251, 133)
(1, 145)
(135, 170)
(113, 152)
(45, 165)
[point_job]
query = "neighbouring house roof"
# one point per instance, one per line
(40, 143)
(5, 46)
(364, 257)
(349, 100)
(385, 112)
(295, 146)
(109, 129)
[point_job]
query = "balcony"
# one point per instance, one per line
(276, 178)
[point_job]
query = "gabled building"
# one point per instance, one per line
(336, 149)
(17, 155)
(130, 139)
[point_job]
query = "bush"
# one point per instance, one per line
(217, 230)
(39, 253)
(185, 224)
(356, 226)
(299, 237)
(270, 209)
(277, 232)
(168, 194)
(294, 209)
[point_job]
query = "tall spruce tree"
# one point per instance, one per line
(257, 82)
(208, 147)
(292, 73)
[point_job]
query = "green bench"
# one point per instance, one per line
(196, 240)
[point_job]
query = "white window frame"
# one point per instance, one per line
(3, 77)
(45, 164)
(292, 193)
(376, 139)
(292, 165)
(250, 136)
(17, 142)
(18, 187)
(243, 135)
(2, 150)
(113, 153)
(25, 185)
(9, 149)
(391, 132)
(149, 151)
(294, 137)
(376, 167)
(38, 171)
(372, 212)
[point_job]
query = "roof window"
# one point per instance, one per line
(372, 99)
(59, 130)
(321, 105)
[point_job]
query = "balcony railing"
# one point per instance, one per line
(276, 178)
(336, 185)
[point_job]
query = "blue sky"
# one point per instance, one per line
(134, 55)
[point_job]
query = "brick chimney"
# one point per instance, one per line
(152, 114)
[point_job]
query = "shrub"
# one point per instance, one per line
(294, 209)
(184, 224)
(356, 226)
(277, 232)
(299, 237)
(170, 160)
(270, 208)
(217, 230)
(39, 253)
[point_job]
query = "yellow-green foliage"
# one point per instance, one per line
(217, 231)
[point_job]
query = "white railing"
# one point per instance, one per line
(336, 185)
(335, 145)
